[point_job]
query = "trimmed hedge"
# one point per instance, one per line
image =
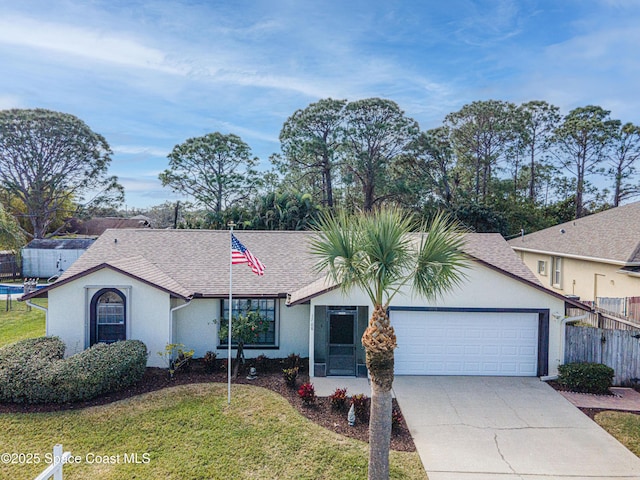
(586, 377)
(34, 371)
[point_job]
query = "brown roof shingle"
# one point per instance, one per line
(190, 263)
(198, 260)
(612, 235)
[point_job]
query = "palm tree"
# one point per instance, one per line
(379, 253)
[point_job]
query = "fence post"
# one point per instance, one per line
(57, 455)
(55, 469)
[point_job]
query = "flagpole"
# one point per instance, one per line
(230, 224)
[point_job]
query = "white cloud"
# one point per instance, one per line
(139, 150)
(112, 47)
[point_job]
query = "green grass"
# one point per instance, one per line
(625, 427)
(189, 432)
(20, 323)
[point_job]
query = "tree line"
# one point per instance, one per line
(494, 165)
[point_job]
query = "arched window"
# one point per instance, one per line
(108, 317)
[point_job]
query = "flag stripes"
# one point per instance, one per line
(240, 254)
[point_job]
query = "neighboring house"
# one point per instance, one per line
(96, 226)
(46, 257)
(172, 286)
(592, 257)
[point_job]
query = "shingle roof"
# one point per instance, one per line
(612, 235)
(98, 225)
(488, 248)
(196, 262)
(192, 263)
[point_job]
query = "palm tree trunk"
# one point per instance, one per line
(379, 432)
(379, 341)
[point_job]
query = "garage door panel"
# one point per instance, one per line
(466, 343)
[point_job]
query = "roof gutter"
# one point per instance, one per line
(631, 274)
(576, 257)
(563, 334)
(46, 315)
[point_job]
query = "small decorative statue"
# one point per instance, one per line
(351, 416)
(252, 374)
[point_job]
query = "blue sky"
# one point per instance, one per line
(150, 74)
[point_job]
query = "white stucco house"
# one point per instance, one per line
(172, 286)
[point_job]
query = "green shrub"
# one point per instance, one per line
(23, 365)
(44, 348)
(209, 361)
(176, 358)
(290, 375)
(586, 377)
(33, 371)
(293, 361)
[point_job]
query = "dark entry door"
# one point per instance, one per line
(342, 347)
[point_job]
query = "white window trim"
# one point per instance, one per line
(556, 272)
(89, 291)
(542, 267)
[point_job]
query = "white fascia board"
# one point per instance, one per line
(577, 257)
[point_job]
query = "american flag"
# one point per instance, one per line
(240, 254)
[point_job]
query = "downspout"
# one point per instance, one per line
(312, 341)
(174, 309)
(563, 334)
(46, 315)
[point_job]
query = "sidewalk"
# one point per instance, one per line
(622, 399)
(325, 386)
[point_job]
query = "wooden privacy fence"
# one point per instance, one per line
(623, 306)
(619, 349)
(601, 319)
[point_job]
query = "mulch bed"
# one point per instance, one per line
(156, 379)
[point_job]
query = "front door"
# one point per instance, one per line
(342, 347)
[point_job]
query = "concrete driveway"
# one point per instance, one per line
(504, 428)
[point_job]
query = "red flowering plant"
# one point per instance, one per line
(307, 393)
(338, 398)
(360, 404)
(246, 328)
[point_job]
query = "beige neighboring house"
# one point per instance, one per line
(172, 286)
(593, 257)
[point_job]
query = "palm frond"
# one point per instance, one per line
(377, 252)
(441, 262)
(338, 247)
(388, 249)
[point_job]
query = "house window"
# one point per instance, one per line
(542, 267)
(266, 307)
(556, 272)
(108, 318)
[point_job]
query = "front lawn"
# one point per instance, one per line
(189, 432)
(624, 426)
(21, 321)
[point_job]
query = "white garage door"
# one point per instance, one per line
(466, 343)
